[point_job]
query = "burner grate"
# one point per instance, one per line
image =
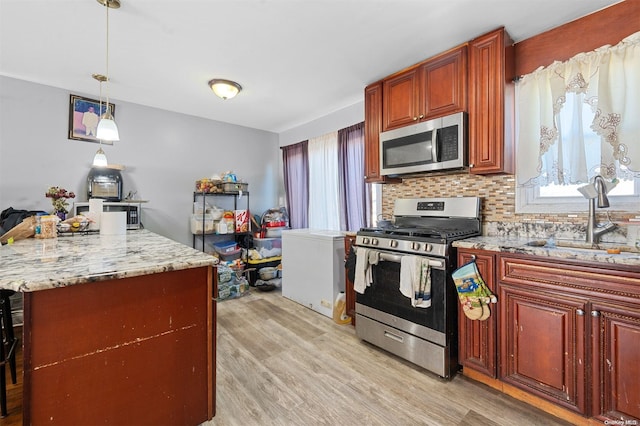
(448, 234)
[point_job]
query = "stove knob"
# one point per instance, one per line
(374, 241)
(365, 240)
(393, 244)
(428, 247)
(415, 246)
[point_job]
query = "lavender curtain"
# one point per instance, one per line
(355, 198)
(296, 183)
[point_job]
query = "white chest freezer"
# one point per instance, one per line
(313, 267)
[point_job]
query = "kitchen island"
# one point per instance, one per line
(118, 329)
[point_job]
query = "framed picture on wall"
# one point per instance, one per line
(84, 114)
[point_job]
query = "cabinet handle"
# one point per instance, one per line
(415, 118)
(421, 116)
(580, 312)
(595, 313)
(471, 165)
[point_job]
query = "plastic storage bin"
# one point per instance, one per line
(202, 224)
(268, 247)
(225, 247)
(276, 231)
(230, 256)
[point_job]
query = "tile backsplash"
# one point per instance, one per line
(498, 207)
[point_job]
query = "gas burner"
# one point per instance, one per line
(425, 227)
(420, 232)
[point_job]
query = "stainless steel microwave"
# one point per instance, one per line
(433, 145)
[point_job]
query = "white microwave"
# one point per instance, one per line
(432, 145)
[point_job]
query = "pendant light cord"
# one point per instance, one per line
(100, 112)
(106, 5)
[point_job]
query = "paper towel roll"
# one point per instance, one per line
(95, 212)
(113, 223)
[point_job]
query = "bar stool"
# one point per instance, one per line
(9, 342)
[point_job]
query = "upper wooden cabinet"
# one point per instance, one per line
(372, 129)
(433, 88)
(491, 104)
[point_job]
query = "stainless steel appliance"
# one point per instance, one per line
(105, 183)
(432, 145)
(132, 208)
(423, 227)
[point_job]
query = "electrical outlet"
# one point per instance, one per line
(325, 303)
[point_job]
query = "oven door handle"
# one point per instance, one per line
(397, 258)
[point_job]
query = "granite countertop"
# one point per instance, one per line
(564, 249)
(40, 264)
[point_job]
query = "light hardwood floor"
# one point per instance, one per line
(280, 363)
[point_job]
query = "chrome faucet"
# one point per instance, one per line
(594, 231)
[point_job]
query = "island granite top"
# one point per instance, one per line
(563, 249)
(41, 264)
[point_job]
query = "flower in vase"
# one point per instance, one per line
(59, 197)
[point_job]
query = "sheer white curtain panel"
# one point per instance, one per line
(324, 193)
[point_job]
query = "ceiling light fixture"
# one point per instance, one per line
(225, 89)
(107, 128)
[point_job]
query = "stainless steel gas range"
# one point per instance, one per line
(423, 230)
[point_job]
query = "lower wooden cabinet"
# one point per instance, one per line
(477, 339)
(350, 295)
(615, 332)
(542, 344)
(567, 334)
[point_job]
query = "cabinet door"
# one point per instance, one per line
(477, 339)
(491, 135)
(350, 294)
(616, 361)
(444, 84)
(400, 98)
(542, 344)
(372, 128)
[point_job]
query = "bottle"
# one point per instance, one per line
(38, 228)
(340, 309)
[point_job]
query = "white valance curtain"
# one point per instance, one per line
(606, 83)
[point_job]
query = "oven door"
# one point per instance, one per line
(383, 301)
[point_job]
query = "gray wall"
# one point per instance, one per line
(164, 153)
(340, 119)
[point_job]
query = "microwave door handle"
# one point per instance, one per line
(434, 145)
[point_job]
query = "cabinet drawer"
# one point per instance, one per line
(573, 277)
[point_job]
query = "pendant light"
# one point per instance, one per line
(225, 89)
(107, 128)
(100, 159)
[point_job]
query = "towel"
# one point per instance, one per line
(415, 280)
(373, 259)
(362, 278)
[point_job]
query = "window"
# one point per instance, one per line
(576, 120)
(333, 194)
